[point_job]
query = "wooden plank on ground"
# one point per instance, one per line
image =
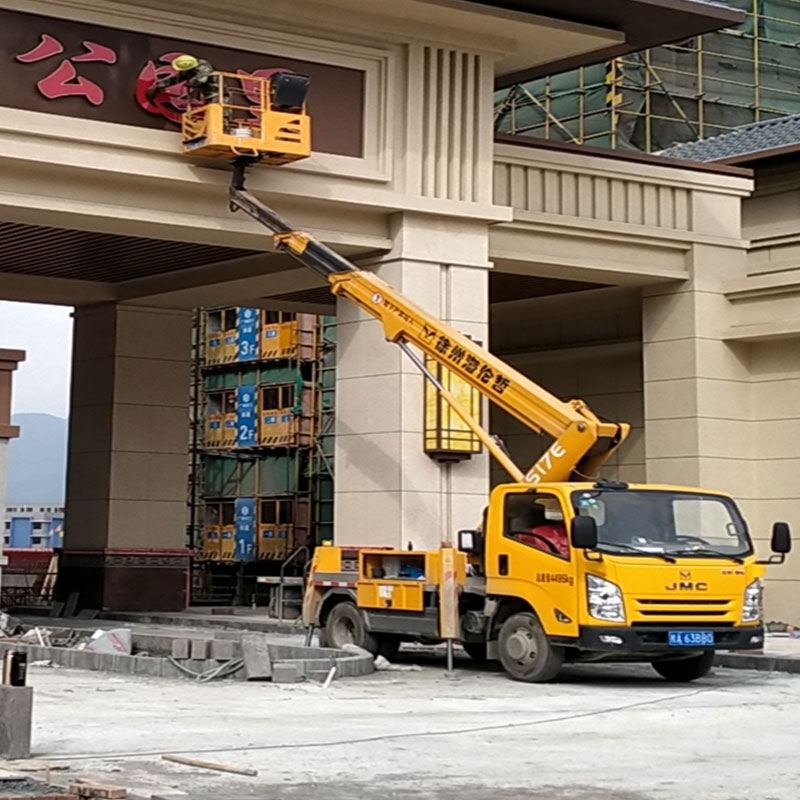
(193, 762)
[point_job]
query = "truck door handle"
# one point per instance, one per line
(502, 564)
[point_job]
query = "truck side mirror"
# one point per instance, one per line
(469, 541)
(584, 533)
(781, 538)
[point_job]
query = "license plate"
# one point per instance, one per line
(691, 638)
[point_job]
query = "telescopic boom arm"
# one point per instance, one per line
(583, 442)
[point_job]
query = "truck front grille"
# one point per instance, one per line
(676, 602)
(680, 608)
(681, 612)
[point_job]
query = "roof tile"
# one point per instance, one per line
(756, 137)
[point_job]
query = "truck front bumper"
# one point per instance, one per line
(653, 638)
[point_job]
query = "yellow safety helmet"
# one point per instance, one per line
(184, 62)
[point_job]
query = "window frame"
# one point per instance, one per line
(534, 494)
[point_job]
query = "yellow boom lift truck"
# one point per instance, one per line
(662, 574)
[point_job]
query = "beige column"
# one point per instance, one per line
(700, 411)
(126, 480)
(718, 414)
(9, 359)
(775, 387)
(696, 385)
(388, 491)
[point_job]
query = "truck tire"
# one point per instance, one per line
(345, 625)
(525, 651)
(683, 670)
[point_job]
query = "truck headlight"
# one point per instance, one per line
(605, 599)
(751, 608)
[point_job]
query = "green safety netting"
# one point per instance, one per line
(727, 78)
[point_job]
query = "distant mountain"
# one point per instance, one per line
(37, 460)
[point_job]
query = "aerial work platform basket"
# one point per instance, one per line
(250, 116)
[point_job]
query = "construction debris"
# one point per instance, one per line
(85, 789)
(382, 664)
(23, 788)
(118, 641)
(40, 636)
(9, 625)
(201, 656)
(329, 678)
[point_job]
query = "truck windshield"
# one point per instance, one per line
(665, 523)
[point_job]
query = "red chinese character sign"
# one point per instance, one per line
(92, 72)
(64, 80)
(171, 102)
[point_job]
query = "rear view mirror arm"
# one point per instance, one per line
(778, 558)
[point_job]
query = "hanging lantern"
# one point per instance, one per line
(447, 437)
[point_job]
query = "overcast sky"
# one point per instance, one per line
(41, 384)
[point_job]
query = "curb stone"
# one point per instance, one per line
(758, 661)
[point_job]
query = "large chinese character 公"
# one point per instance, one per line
(64, 80)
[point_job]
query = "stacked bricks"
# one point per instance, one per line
(96, 790)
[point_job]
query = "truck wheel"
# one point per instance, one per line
(525, 651)
(684, 670)
(475, 650)
(345, 625)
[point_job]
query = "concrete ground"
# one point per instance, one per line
(601, 732)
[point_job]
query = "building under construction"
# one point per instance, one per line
(688, 90)
(261, 473)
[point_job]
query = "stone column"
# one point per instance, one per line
(388, 491)
(696, 385)
(125, 524)
(9, 359)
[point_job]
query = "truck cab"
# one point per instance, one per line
(666, 574)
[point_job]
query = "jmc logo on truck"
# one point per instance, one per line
(687, 586)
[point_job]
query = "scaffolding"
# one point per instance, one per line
(692, 89)
(275, 472)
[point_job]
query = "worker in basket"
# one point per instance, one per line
(199, 76)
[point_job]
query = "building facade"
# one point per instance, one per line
(34, 526)
(598, 275)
